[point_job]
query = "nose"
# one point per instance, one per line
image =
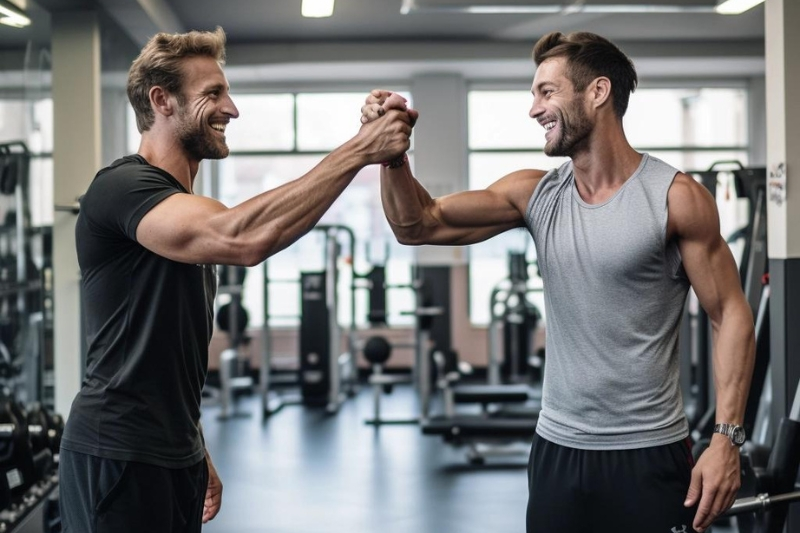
(536, 109)
(230, 109)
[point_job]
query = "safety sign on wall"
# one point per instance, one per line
(776, 184)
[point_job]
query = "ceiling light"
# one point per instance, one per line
(317, 8)
(563, 7)
(735, 7)
(10, 15)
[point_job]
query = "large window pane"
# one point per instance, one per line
(324, 121)
(499, 119)
(30, 122)
(687, 117)
(719, 118)
(655, 118)
(266, 122)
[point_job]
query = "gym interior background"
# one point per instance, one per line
(293, 378)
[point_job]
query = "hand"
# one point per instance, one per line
(386, 139)
(715, 480)
(379, 102)
(213, 493)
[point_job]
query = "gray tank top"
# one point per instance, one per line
(614, 293)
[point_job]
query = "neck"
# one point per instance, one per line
(607, 160)
(168, 155)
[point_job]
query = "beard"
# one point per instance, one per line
(198, 141)
(575, 130)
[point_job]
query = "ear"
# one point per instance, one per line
(600, 91)
(161, 101)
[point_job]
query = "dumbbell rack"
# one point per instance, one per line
(36, 512)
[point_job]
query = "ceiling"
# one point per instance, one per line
(373, 40)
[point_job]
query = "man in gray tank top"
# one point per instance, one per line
(620, 238)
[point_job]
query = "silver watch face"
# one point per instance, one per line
(737, 435)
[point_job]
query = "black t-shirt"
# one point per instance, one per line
(148, 326)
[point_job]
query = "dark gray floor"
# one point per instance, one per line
(304, 471)
(307, 472)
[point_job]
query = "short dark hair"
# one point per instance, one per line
(159, 64)
(590, 56)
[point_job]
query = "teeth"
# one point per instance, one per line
(549, 126)
(219, 127)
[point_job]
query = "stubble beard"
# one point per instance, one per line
(198, 142)
(574, 134)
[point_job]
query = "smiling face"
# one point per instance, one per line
(560, 110)
(204, 110)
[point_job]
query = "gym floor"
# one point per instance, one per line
(304, 471)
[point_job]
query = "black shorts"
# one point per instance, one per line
(589, 491)
(99, 495)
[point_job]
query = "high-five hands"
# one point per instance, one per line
(380, 101)
(386, 140)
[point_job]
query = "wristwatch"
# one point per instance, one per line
(732, 431)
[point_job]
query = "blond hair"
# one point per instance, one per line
(159, 64)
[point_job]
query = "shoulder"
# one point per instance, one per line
(130, 174)
(518, 186)
(691, 208)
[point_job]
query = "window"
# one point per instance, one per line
(689, 128)
(32, 123)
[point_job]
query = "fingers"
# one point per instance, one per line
(715, 500)
(211, 506)
(370, 112)
(704, 515)
(378, 96)
(413, 115)
(395, 101)
(693, 494)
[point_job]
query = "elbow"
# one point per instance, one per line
(247, 252)
(408, 237)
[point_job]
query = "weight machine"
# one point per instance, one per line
(326, 377)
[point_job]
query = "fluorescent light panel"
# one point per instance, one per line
(11, 16)
(317, 8)
(736, 7)
(578, 8)
(564, 7)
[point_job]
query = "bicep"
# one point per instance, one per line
(186, 228)
(481, 214)
(707, 259)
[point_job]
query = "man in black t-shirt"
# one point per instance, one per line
(132, 455)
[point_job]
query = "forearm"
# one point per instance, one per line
(404, 202)
(271, 221)
(734, 358)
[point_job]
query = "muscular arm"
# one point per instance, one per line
(715, 279)
(194, 229)
(713, 274)
(461, 218)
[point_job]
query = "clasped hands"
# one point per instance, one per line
(377, 104)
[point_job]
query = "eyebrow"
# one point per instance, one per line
(215, 87)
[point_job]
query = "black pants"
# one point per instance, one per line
(588, 491)
(106, 496)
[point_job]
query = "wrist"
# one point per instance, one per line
(397, 162)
